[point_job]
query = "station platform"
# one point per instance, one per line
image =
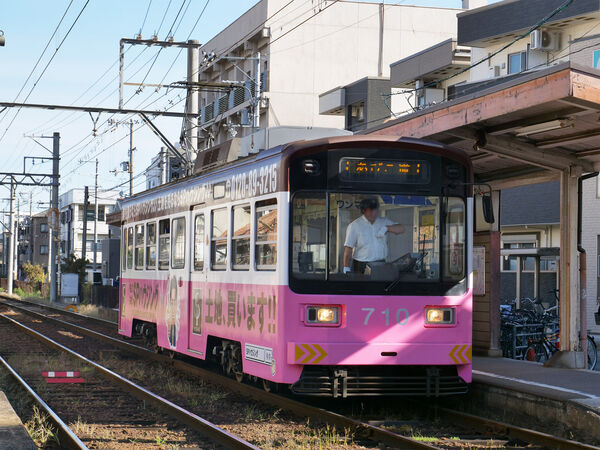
(13, 434)
(555, 399)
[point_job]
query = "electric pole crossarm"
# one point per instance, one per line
(93, 109)
(152, 42)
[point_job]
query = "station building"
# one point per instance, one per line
(525, 108)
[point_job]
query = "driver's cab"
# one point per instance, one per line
(415, 251)
(414, 255)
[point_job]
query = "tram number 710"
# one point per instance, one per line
(401, 316)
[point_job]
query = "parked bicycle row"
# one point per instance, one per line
(530, 330)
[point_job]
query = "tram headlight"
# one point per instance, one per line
(440, 316)
(323, 315)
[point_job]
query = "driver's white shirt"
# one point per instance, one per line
(368, 239)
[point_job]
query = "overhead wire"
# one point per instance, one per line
(46, 66)
(41, 55)
(538, 25)
(146, 16)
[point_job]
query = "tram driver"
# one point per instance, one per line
(366, 237)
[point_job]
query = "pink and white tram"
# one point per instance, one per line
(243, 264)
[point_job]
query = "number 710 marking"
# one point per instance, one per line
(401, 315)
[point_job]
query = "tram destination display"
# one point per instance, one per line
(385, 170)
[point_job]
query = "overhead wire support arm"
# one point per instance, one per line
(26, 179)
(164, 139)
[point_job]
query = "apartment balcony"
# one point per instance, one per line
(499, 22)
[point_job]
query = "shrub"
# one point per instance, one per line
(34, 274)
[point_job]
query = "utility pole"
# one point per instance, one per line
(17, 229)
(130, 168)
(53, 245)
(31, 230)
(193, 95)
(11, 238)
(50, 237)
(163, 165)
(85, 222)
(257, 94)
(96, 216)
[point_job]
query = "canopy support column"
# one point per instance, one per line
(570, 355)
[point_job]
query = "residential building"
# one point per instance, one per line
(71, 207)
(34, 240)
(163, 169)
(337, 44)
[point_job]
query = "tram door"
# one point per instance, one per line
(198, 266)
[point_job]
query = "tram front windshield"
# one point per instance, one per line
(430, 247)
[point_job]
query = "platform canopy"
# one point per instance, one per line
(546, 120)
(537, 126)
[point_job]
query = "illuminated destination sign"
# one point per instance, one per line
(384, 170)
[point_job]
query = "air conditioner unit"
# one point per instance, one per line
(430, 96)
(494, 72)
(545, 41)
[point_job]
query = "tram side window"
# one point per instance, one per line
(178, 243)
(218, 247)
(164, 243)
(454, 240)
(308, 235)
(266, 235)
(151, 245)
(240, 238)
(139, 247)
(199, 242)
(130, 248)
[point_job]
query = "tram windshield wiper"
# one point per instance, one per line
(413, 264)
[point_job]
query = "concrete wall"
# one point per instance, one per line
(341, 45)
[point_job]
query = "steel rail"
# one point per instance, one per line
(6, 299)
(300, 409)
(513, 431)
(67, 437)
(196, 422)
(365, 430)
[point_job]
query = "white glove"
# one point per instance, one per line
(347, 270)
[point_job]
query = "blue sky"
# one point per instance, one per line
(88, 52)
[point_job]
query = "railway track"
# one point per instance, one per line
(118, 402)
(359, 428)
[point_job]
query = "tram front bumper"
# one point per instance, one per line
(328, 353)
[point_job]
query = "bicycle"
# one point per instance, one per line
(541, 350)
